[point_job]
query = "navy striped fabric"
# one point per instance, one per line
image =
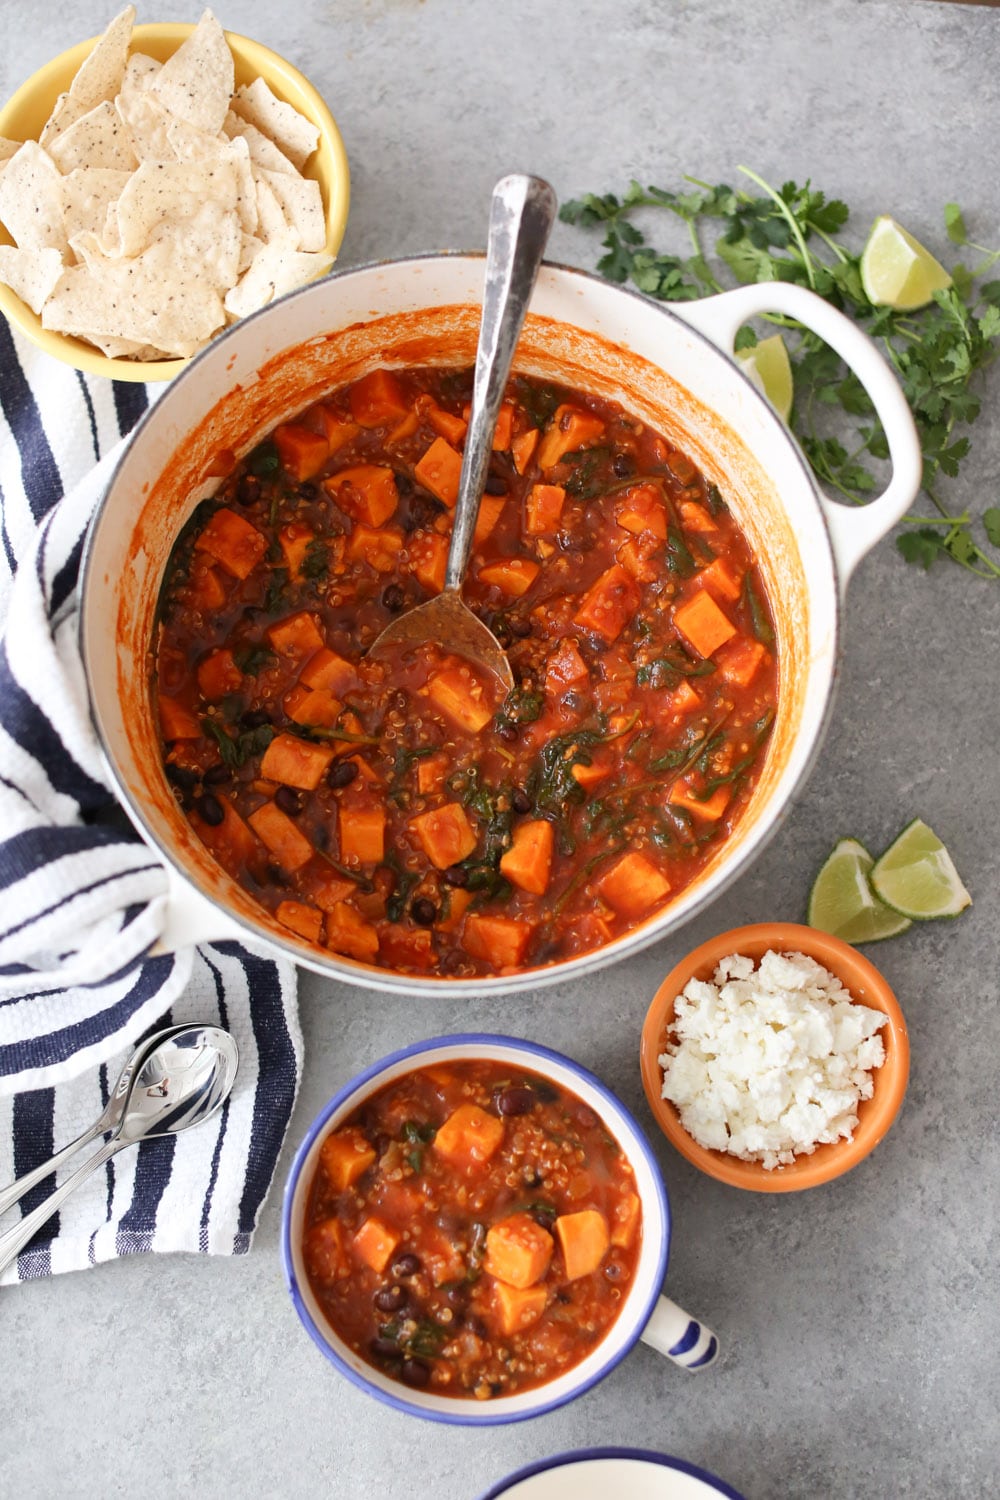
(83, 897)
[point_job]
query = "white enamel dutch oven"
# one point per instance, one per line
(671, 367)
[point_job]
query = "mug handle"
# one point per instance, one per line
(673, 1332)
(853, 530)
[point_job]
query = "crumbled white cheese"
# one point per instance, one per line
(768, 1063)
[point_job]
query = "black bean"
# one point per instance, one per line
(341, 773)
(256, 718)
(390, 1298)
(520, 801)
(393, 598)
(210, 809)
(476, 1325)
(308, 490)
(519, 626)
(424, 510)
(508, 733)
(406, 1264)
(216, 775)
(251, 613)
(385, 1348)
(404, 484)
(415, 1372)
(545, 1215)
(276, 875)
(181, 776)
(457, 1296)
(495, 485)
(288, 801)
(248, 489)
(456, 876)
(423, 911)
(515, 1099)
(623, 466)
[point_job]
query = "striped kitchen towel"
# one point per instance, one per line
(83, 897)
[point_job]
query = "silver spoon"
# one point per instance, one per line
(522, 213)
(177, 1079)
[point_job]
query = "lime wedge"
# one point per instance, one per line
(916, 877)
(896, 270)
(770, 369)
(842, 901)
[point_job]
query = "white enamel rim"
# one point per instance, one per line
(593, 1473)
(830, 548)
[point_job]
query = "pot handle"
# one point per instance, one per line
(854, 530)
(190, 918)
(673, 1332)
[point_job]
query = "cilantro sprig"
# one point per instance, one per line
(938, 352)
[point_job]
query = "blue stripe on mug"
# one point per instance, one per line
(708, 1356)
(690, 1337)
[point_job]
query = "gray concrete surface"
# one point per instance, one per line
(860, 1320)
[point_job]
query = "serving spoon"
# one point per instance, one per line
(522, 212)
(176, 1079)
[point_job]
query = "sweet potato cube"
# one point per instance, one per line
(233, 542)
(297, 635)
(625, 1221)
(515, 1309)
(518, 1250)
(490, 511)
(584, 1241)
(375, 1243)
(446, 424)
(313, 707)
(302, 918)
(347, 932)
(366, 492)
(564, 667)
(328, 670)
(702, 623)
(641, 510)
(218, 675)
(512, 575)
(469, 1136)
(446, 834)
(696, 518)
(543, 508)
(230, 841)
(176, 721)
(206, 591)
(503, 429)
(609, 604)
(684, 699)
(404, 429)
(362, 834)
(379, 547)
(337, 430)
(431, 771)
(722, 579)
(740, 661)
(522, 449)
(461, 695)
(458, 904)
(569, 429)
(499, 941)
(439, 470)
(295, 540)
(705, 809)
(403, 948)
(588, 776)
(528, 861)
(377, 400)
(428, 559)
(326, 889)
(632, 885)
(303, 452)
(282, 836)
(296, 762)
(326, 1250)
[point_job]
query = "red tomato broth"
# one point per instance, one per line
(472, 1229)
(398, 814)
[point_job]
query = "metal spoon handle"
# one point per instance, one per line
(13, 1194)
(15, 1239)
(522, 213)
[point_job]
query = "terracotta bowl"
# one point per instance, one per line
(24, 115)
(865, 984)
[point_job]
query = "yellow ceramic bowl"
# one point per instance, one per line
(866, 986)
(23, 117)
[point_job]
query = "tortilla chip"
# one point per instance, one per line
(99, 77)
(99, 138)
(291, 132)
(31, 200)
(263, 152)
(168, 192)
(65, 112)
(31, 274)
(87, 195)
(8, 148)
(274, 271)
(196, 84)
(302, 206)
(272, 226)
(139, 72)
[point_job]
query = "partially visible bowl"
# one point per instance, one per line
(24, 115)
(867, 987)
(593, 1473)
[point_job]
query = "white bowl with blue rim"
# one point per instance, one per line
(595, 1473)
(646, 1314)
